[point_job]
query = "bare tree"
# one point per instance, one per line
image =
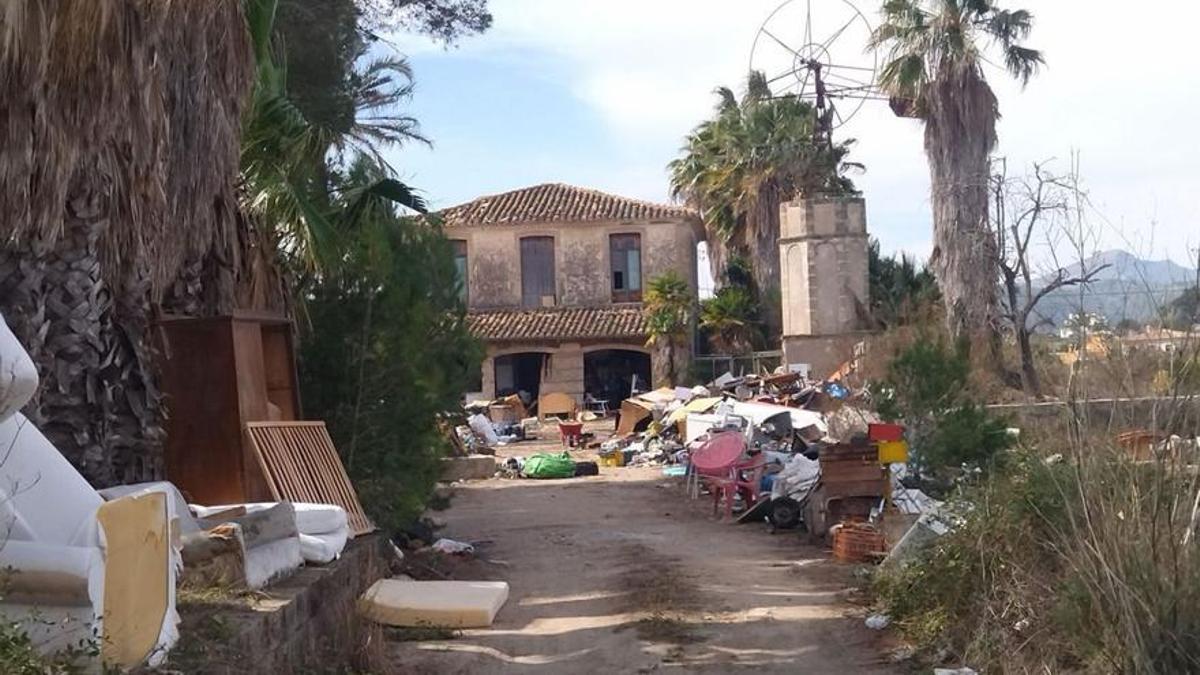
(1037, 205)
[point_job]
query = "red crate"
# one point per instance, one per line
(885, 432)
(858, 542)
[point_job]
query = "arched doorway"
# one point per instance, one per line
(520, 373)
(608, 374)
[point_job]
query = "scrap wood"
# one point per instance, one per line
(450, 432)
(301, 464)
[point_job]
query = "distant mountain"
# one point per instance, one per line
(1129, 288)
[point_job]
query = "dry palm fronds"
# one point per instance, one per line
(146, 93)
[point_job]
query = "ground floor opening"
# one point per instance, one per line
(612, 374)
(520, 373)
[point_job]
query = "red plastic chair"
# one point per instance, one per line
(720, 462)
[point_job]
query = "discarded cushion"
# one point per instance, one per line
(546, 465)
(447, 604)
(323, 548)
(310, 518)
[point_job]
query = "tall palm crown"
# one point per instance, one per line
(934, 71)
(737, 167)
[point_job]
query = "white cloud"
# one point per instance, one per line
(1120, 87)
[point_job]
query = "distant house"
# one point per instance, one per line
(553, 276)
(1161, 339)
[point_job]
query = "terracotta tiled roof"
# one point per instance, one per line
(559, 323)
(557, 203)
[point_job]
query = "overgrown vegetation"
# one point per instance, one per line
(900, 288)
(731, 320)
(1069, 553)
(669, 312)
(739, 166)
(386, 349)
(951, 434)
(1089, 564)
(20, 655)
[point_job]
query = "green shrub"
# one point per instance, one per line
(926, 387)
(387, 349)
(1083, 566)
(20, 656)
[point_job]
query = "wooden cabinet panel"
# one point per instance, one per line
(218, 374)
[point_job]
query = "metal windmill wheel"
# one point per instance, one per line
(817, 50)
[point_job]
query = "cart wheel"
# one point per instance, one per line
(785, 513)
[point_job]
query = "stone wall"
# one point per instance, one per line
(306, 623)
(581, 258)
(566, 366)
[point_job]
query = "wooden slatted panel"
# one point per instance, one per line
(301, 464)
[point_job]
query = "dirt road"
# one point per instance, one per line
(621, 573)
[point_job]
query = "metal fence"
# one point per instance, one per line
(707, 367)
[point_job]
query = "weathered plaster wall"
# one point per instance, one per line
(581, 253)
(824, 279)
(823, 248)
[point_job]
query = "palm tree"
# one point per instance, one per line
(668, 311)
(738, 167)
(289, 162)
(935, 72)
(120, 159)
(730, 318)
(899, 287)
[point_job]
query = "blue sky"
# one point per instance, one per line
(601, 94)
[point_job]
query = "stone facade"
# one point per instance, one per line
(824, 280)
(581, 223)
(581, 259)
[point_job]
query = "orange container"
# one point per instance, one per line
(858, 542)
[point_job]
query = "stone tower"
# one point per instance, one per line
(823, 280)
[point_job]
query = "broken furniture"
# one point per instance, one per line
(301, 465)
(441, 604)
(321, 530)
(596, 405)
(852, 484)
(218, 374)
(228, 546)
(556, 403)
(78, 568)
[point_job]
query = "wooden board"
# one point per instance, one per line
(301, 464)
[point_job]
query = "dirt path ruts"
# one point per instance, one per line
(622, 573)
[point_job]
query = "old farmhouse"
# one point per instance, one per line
(554, 277)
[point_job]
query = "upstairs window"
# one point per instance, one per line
(537, 272)
(460, 267)
(625, 252)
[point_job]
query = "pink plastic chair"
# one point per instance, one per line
(721, 464)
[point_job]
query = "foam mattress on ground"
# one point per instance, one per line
(448, 604)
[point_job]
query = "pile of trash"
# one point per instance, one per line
(487, 425)
(782, 449)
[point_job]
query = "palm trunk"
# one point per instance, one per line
(97, 401)
(960, 132)
(764, 242)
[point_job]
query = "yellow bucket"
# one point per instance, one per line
(613, 458)
(893, 452)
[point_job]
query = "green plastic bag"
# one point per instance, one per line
(545, 465)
